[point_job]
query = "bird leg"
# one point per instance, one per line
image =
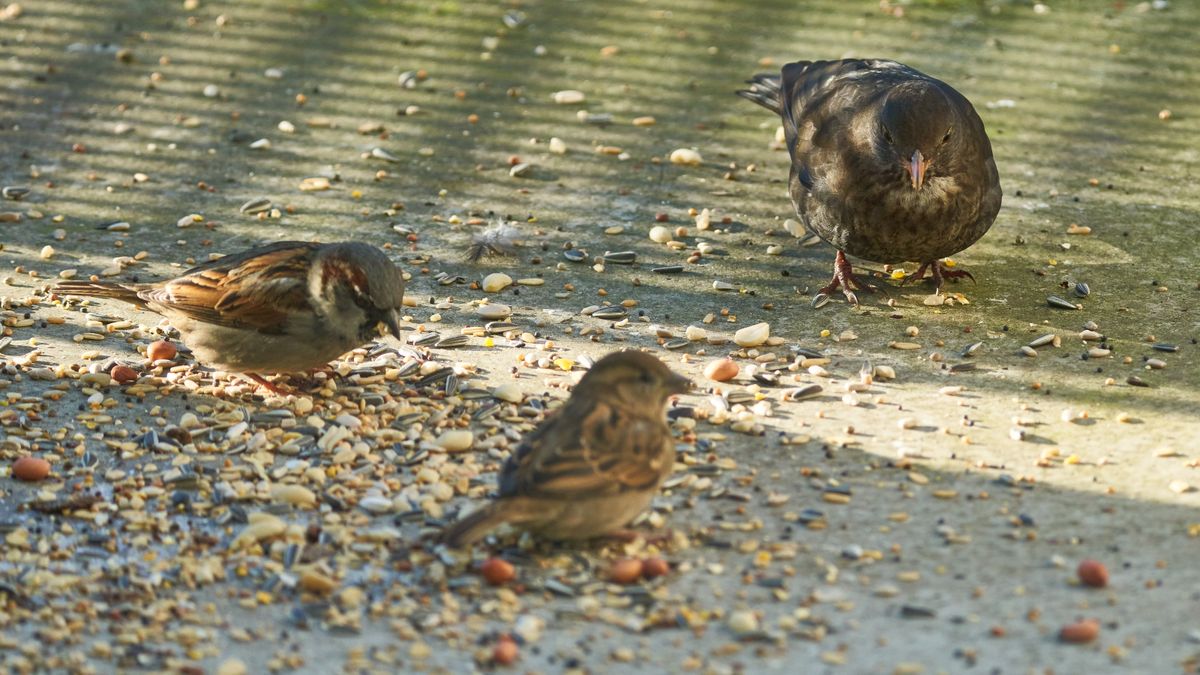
(939, 272)
(628, 536)
(843, 276)
(266, 384)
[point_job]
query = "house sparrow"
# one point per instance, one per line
(285, 307)
(888, 164)
(595, 464)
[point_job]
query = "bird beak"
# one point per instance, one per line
(917, 164)
(392, 321)
(679, 384)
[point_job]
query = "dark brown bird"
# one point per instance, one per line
(595, 464)
(888, 164)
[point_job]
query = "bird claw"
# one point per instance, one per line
(938, 272)
(267, 384)
(844, 277)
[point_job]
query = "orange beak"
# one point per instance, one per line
(917, 164)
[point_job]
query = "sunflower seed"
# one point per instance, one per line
(739, 397)
(436, 376)
(452, 342)
(118, 226)
(408, 79)
(1136, 381)
(1081, 289)
(1042, 340)
(962, 367)
(450, 280)
(409, 367)
(970, 349)
(256, 205)
(620, 257)
(1028, 351)
(380, 153)
(766, 377)
(1164, 347)
(677, 343)
(574, 255)
(819, 300)
(610, 313)
(486, 411)
(668, 269)
(451, 385)
(423, 338)
(1060, 303)
(496, 327)
(801, 393)
(14, 193)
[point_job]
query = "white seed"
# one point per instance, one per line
(455, 440)
(753, 336)
(494, 311)
(496, 281)
(686, 157)
(297, 495)
(695, 333)
(743, 622)
(660, 234)
(558, 146)
(508, 392)
(704, 219)
(568, 97)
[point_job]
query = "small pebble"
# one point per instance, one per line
(497, 571)
(160, 350)
(30, 469)
(721, 370)
(1093, 573)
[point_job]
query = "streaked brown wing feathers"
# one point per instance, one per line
(256, 289)
(611, 451)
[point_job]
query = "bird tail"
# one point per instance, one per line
(475, 525)
(764, 90)
(100, 289)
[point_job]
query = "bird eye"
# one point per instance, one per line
(946, 137)
(887, 136)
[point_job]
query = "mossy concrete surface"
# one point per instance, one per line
(1094, 116)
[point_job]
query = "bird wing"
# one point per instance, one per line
(606, 451)
(256, 289)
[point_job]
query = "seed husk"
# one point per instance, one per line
(452, 342)
(1082, 290)
(819, 300)
(610, 313)
(667, 269)
(1042, 340)
(1061, 303)
(256, 205)
(1164, 347)
(801, 393)
(620, 257)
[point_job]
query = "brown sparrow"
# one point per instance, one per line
(285, 307)
(595, 464)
